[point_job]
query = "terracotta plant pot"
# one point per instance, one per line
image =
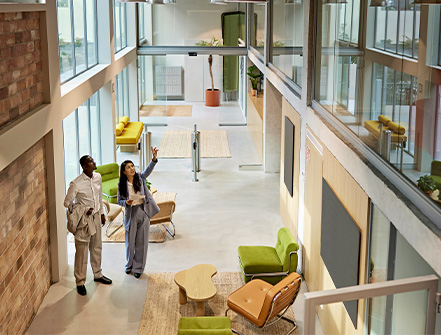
(254, 92)
(212, 98)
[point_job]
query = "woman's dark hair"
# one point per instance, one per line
(122, 185)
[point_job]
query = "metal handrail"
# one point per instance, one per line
(430, 283)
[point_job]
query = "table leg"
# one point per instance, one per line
(200, 308)
(182, 296)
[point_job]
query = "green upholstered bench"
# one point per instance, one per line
(270, 264)
(435, 173)
(205, 325)
(110, 175)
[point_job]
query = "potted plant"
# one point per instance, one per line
(212, 95)
(427, 184)
(254, 78)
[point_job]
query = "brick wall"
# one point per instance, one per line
(24, 240)
(21, 87)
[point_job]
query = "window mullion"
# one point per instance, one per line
(77, 130)
(72, 28)
(85, 35)
(89, 120)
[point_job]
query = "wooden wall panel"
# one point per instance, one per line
(255, 123)
(333, 318)
(289, 206)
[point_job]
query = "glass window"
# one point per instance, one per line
(91, 46)
(141, 24)
(80, 45)
(71, 169)
(380, 27)
(119, 25)
(84, 129)
(391, 258)
(82, 136)
(122, 94)
(197, 23)
(65, 39)
(95, 127)
(288, 39)
(77, 37)
(397, 28)
(258, 33)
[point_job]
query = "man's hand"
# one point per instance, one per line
(103, 219)
(89, 211)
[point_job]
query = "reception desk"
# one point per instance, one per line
(255, 122)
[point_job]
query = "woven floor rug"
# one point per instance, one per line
(166, 110)
(177, 144)
(162, 311)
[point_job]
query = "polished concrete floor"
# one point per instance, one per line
(228, 207)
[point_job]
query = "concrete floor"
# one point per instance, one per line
(225, 209)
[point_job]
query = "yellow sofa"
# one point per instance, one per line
(397, 131)
(128, 134)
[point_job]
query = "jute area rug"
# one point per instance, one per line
(166, 110)
(162, 311)
(177, 144)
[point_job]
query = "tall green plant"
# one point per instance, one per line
(214, 42)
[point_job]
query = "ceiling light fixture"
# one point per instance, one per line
(381, 3)
(217, 2)
(247, 1)
(334, 2)
(426, 2)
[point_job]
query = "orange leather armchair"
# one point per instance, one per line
(261, 302)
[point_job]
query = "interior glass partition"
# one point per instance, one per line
(391, 258)
(258, 32)
(193, 23)
(389, 98)
(288, 38)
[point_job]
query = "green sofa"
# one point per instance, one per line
(205, 325)
(270, 264)
(110, 175)
(435, 173)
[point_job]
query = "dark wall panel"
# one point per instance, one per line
(340, 245)
(289, 155)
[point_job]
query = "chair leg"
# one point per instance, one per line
(168, 230)
(281, 317)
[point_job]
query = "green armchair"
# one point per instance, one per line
(435, 173)
(110, 175)
(215, 325)
(270, 264)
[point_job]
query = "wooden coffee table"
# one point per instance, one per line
(196, 285)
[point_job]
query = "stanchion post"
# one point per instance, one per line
(195, 153)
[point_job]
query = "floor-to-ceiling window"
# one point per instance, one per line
(119, 25)
(82, 136)
(288, 38)
(392, 257)
(389, 71)
(77, 36)
(122, 94)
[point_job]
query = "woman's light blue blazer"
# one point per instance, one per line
(149, 205)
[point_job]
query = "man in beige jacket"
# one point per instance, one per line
(86, 190)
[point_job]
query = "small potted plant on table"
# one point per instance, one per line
(254, 75)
